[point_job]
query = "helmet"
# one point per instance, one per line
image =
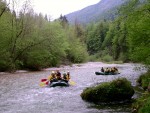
(53, 72)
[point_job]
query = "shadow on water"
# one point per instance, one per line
(124, 107)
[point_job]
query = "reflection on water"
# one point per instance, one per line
(21, 93)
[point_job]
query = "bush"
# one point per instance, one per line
(4, 65)
(117, 90)
(6, 62)
(146, 106)
(95, 57)
(36, 60)
(107, 58)
(141, 105)
(144, 80)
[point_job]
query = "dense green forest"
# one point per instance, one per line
(32, 41)
(126, 38)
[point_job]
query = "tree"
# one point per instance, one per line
(96, 36)
(139, 35)
(63, 20)
(3, 7)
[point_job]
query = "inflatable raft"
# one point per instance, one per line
(58, 83)
(103, 73)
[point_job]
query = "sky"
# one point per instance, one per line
(54, 8)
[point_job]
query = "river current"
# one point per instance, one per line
(20, 92)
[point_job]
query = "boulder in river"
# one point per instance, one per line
(117, 90)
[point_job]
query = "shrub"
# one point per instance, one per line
(141, 105)
(6, 62)
(144, 80)
(146, 106)
(107, 58)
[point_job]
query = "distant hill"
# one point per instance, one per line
(105, 9)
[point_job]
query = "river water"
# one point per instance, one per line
(20, 92)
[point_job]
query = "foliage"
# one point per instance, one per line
(145, 108)
(144, 80)
(107, 58)
(76, 51)
(95, 57)
(126, 38)
(141, 105)
(5, 62)
(30, 41)
(95, 36)
(139, 35)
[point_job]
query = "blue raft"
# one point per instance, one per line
(106, 73)
(59, 83)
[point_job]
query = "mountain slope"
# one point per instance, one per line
(94, 12)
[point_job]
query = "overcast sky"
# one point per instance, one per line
(55, 8)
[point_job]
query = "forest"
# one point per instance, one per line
(33, 41)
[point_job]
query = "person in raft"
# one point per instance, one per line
(113, 70)
(107, 70)
(65, 77)
(116, 70)
(58, 75)
(52, 77)
(102, 69)
(68, 75)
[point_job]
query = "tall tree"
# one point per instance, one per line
(139, 35)
(3, 7)
(96, 37)
(63, 20)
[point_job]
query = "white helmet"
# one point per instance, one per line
(53, 72)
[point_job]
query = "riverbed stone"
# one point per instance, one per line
(114, 91)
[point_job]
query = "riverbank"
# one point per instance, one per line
(141, 105)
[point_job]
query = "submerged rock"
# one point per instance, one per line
(117, 90)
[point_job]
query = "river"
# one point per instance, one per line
(20, 92)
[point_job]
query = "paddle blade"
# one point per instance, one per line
(43, 80)
(42, 84)
(72, 82)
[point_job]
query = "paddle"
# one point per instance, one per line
(72, 82)
(43, 80)
(43, 83)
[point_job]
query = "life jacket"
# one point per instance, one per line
(107, 70)
(58, 76)
(51, 77)
(65, 76)
(112, 70)
(68, 77)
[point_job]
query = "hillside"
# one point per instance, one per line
(101, 10)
